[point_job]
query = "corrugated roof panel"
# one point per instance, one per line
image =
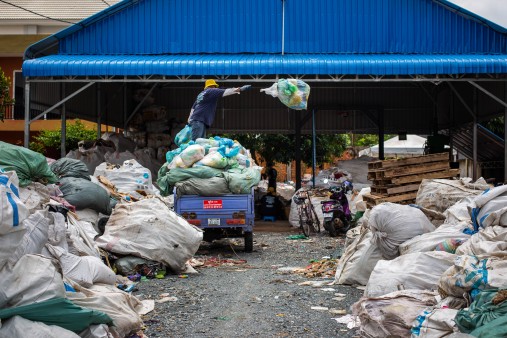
(318, 26)
(259, 64)
(384, 26)
(183, 26)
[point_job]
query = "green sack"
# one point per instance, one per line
(84, 194)
(168, 178)
(241, 181)
(69, 167)
(482, 312)
(494, 329)
(61, 312)
(29, 165)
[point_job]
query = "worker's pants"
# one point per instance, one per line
(198, 130)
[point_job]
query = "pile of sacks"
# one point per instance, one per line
(53, 249)
(116, 149)
(427, 281)
(207, 167)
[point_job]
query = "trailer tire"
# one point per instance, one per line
(248, 241)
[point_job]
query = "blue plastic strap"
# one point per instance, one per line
(15, 215)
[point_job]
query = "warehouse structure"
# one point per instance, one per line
(389, 66)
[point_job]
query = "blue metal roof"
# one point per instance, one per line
(245, 37)
(225, 64)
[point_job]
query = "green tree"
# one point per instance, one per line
(51, 139)
(496, 125)
(281, 148)
(367, 140)
(5, 98)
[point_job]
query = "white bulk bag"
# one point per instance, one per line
(491, 241)
(85, 271)
(18, 326)
(12, 210)
(131, 176)
(490, 208)
(391, 315)
(35, 238)
(358, 261)
(435, 323)
(417, 271)
(428, 241)
(392, 224)
(32, 279)
(150, 230)
(122, 307)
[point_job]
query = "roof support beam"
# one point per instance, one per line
(463, 102)
(141, 103)
(493, 96)
(62, 101)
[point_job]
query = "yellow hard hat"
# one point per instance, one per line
(210, 83)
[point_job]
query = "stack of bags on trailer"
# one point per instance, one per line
(54, 279)
(207, 167)
(425, 282)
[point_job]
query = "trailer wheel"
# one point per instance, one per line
(248, 241)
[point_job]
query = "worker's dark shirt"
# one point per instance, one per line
(205, 105)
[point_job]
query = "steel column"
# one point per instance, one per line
(380, 114)
(27, 115)
(474, 174)
(297, 154)
(63, 117)
(314, 149)
(99, 118)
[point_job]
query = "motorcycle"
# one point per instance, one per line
(336, 211)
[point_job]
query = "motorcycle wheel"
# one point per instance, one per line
(341, 226)
(329, 226)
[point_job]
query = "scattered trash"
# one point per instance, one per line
(322, 268)
(148, 306)
(349, 320)
(319, 308)
(328, 289)
(337, 311)
(293, 237)
(167, 299)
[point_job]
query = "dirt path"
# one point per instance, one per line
(253, 299)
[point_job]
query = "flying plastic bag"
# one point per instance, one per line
(291, 92)
(183, 136)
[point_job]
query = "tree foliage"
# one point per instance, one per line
(281, 148)
(5, 98)
(496, 125)
(367, 140)
(75, 132)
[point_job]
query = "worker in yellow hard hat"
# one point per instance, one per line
(203, 110)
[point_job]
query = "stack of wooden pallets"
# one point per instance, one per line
(398, 180)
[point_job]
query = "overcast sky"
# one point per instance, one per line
(493, 10)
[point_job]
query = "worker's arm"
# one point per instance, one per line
(231, 91)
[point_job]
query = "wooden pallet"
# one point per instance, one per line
(408, 161)
(378, 174)
(372, 199)
(395, 181)
(394, 189)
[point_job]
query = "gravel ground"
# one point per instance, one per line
(254, 299)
